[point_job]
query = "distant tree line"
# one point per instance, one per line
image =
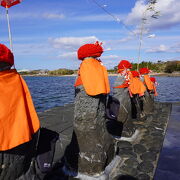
(172, 66)
(159, 66)
(41, 72)
(61, 72)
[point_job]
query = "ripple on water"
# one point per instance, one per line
(48, 92)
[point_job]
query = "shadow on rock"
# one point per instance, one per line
(114, 127)
(125, 177)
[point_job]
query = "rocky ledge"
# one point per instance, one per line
(137, 155)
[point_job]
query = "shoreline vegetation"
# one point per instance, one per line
(169, 68)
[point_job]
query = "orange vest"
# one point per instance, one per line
(148, 82)
(94, 77)
(18, 118)
(136, 86)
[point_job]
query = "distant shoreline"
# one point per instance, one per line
(153, 74)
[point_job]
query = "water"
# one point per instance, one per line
(49, 92)
(168, 89)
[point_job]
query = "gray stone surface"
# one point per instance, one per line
(139, 157)
(122, 95)
(141, 153)
(136, 161)
(16, 161)
(92, 147)
(60, 120)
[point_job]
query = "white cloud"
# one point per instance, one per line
(136, 13)
(175, 48)
(110, 57)
(53, 16)
(71, 43)
(161, 48)
(69, 55)
(151, 36)
(169, 14)
(15, 15)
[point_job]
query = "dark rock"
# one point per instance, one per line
(124, 177)
(146, 167)
(127, 153)
(139, 148)
(128, 131)
(124, 144)
(114, 128)
(16, 161)
(122, 94)
(92, 147)
(143, 177)
(132, 162)
(148, 156)
(129, 171)
(154, 149)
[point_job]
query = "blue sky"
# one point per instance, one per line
(47, 33)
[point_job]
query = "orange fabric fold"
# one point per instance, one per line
(18, 118)
(94, 77)
(136, 86)
(148, 82)
(78, 81)
(125, 84)
(155, 90)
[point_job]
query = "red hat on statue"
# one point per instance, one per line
(153, 79)
(144, 70)
(90, 50)
(6, 55)
(124, 64)
(135, 73)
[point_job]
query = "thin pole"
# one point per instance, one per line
(9, 29)
(141, 37)
(139, 51)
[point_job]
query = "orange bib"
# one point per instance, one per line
(94, 77)
(18, 118)
(136, 86)
(148, 82)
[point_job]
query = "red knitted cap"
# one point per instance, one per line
(90, 50)
(6, 55)
(135, 74)
(144, 70)
(124, 64)
(153, 79)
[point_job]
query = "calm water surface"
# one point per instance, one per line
(48, 92)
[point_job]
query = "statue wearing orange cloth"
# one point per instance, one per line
(155, 84)
(147, 81)
(124, 70)
(151, 90)
(92, 74)
(90, 132)
(121, 90)
(18, 118)
(136, 86)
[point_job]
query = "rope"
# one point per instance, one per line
(113, 16)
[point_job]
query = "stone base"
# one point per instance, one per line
(140, 152)
(103, 175)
